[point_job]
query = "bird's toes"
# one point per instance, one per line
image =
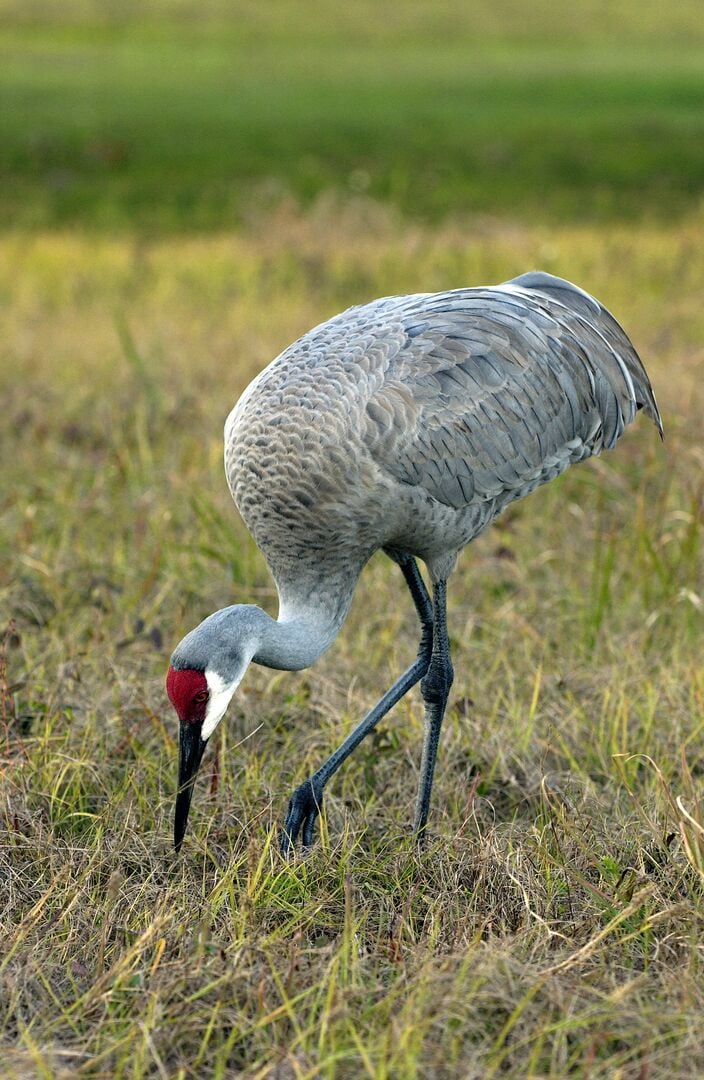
(290, 831)
(303, 809)
(309, 830)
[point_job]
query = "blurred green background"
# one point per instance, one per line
(180, 114)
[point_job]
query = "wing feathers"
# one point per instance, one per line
(491, 389)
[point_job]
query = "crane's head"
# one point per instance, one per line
(205, 670)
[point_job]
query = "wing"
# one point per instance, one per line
(494, 390)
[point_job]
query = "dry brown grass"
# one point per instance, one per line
(553, 925)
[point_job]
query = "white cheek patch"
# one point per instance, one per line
(219, 697)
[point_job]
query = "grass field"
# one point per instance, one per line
(197, 122)
(552, 927)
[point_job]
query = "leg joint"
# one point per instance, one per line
(435, 685)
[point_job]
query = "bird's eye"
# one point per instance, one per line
(200, 697)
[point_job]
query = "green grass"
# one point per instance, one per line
(115, 116)
(552, 926)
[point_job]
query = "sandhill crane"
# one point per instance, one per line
(406, 424)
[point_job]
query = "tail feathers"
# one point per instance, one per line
(617, 362)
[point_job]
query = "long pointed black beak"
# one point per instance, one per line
(190, 754)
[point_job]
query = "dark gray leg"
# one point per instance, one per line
(306, 801)
(435, 688)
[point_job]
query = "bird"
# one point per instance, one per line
(404, 425)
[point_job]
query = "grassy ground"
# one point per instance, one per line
(114, 114)
(553, 926)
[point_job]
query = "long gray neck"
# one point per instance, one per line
(230, 638)
(308, 623)
(302, 633)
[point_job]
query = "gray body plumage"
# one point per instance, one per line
(409, 423)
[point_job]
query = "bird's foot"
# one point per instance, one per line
(303, 809)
